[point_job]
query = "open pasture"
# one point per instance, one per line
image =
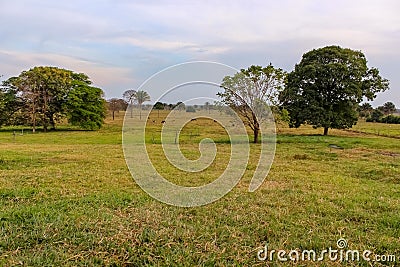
(68, 199)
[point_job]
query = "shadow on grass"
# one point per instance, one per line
(26, 130)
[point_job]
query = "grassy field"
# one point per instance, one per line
(380, 129)
(67, 199)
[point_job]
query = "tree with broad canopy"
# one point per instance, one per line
(326, 87)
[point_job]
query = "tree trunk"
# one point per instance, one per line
(113, 112)
(52, 122)
(45, 112)
(33, 122)
(256, 127)
(326, 130)
(140, 111)
(131, 111)
(256, 130)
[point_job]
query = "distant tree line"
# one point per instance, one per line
(181, 106)
(384, 113)
(45, 96)
(130, 98)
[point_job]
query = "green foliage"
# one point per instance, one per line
(159, 106)
(327, 85)
(141, 97)
(165, 106)
(9, 104)
(180, 106)
(41, 95)
(388, 108)
(282, 115)
(250, 91)
(391, 119)
(43, 91)
(376, 116)
(365, 110)
(86, 107)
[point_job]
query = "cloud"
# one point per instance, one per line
(105, 76)
(122, 42)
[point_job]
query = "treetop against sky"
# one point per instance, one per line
(120, 44)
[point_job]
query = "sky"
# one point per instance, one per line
(119, 44)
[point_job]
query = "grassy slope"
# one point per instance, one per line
(384, 129)
(67, 199)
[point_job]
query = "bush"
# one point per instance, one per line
(388, 119)
(391, 119)
(376, 116)
(190, 109)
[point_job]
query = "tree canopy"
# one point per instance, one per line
(116, 104)
(43, 95)
(141, 97)
(326, 87)
(250, 90)
(388, 108)
(365, 110)
(86, 107)
(130, 97)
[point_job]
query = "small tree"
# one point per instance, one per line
(115, 105)
(190, 109)
(159, 106)
(141, 97)
(130, 97)
(389, 108)
(365, 110)
(250, 89)
(180, 106)
(207, 106)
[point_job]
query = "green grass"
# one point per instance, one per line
(67, 199)
(380, 129)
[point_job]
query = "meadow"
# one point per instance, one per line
(380, 129)
(68, 199)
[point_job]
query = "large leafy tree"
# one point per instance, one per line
(44, 92)
(326, 87)
(249, 90)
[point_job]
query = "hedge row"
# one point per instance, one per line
(388, 119)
